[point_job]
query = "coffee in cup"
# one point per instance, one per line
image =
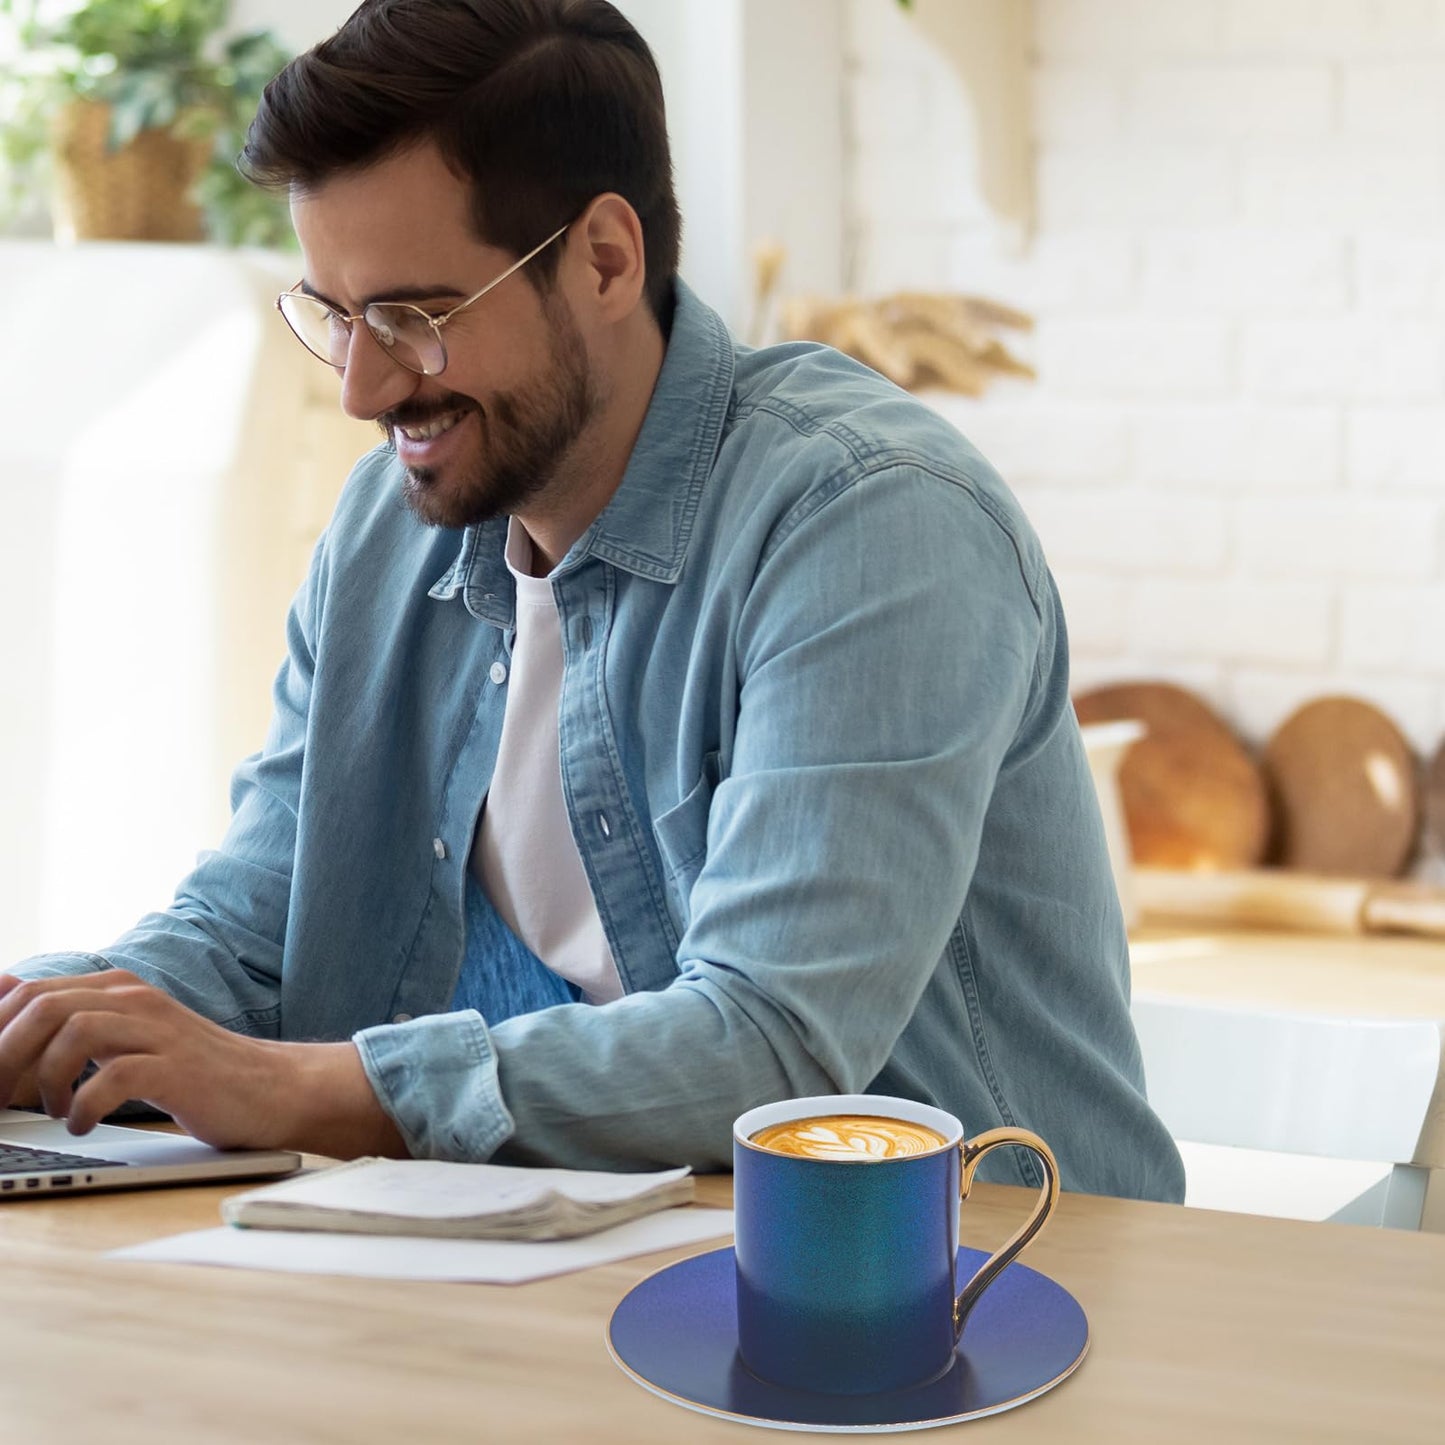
(845, 1212)
(845, 1138)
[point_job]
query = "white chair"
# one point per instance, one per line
(1296, 1115)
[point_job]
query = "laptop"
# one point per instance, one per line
(39, 1157)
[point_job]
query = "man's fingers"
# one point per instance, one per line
(84, 1037)
(25, 1033)
(131, 1076)
(16, 994)
(22, 1095)
(33, 1011)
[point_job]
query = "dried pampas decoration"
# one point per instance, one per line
(916, 339)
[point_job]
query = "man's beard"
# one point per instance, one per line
(525, 434)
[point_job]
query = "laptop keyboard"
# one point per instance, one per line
(18, 1159)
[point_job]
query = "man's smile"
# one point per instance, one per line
(428, 430)
(441, 440)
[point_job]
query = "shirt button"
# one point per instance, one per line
(498, 673)
(604, 825)
(439, 848)
(401, 1018)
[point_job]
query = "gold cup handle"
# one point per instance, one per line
(973, 1151)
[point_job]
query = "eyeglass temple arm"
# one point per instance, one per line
(437, 322)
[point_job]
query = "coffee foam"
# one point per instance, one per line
(849, 1138)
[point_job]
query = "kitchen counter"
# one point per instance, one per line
(1354, 976)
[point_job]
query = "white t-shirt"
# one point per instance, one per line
(525, 856)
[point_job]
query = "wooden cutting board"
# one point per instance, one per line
(1280, 898)
(1345, 790)
(1193, 796)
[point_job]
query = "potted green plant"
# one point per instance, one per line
(129, 114)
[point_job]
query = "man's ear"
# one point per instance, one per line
(609, 236)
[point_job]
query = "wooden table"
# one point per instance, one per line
(1205, 1327)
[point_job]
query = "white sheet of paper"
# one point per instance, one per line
(480, 1261)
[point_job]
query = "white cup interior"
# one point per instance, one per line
(882, 1105)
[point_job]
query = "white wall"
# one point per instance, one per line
(1235, 451)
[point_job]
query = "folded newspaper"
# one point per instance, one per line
(434, 1198)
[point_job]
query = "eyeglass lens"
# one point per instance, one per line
(402, 331)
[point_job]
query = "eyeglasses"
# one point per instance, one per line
(410, 336)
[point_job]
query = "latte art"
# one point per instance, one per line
(849, 1138)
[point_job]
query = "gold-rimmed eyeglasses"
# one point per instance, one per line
(410, 336)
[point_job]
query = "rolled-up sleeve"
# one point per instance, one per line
(437, 1079)
(59, 965)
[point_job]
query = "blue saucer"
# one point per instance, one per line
(676, 1334)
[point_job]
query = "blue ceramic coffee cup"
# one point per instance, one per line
(846, 1262)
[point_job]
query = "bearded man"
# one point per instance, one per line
(696, 735)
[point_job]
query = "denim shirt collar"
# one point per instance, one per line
(646, 526)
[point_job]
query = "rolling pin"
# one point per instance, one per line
(1273, 898)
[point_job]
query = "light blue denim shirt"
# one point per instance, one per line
(821, 767)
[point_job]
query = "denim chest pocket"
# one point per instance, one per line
(681, 834)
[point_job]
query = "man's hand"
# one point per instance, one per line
(25, 1094)
(230, 1090)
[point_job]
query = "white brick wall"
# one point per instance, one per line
(1158, 356)
(1245, 103)
(1287, 624)
(1349, 358)
(1233, 269)
(1240, 445)
(1398, 446)
(1235, 451)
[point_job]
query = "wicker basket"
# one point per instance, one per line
(137, 193)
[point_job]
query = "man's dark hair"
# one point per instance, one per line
(540, 104)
